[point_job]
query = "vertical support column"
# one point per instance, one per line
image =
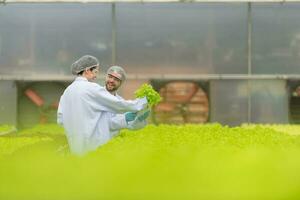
(249, 60)
(32, 44)
(1, 44)
(114, 34)
(8, 99)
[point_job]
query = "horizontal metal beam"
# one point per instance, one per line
(144, 1)
(216, 76)
(37, 77)
(160, 76)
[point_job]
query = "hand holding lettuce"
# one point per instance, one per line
(152, 96)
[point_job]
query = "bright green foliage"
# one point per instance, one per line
(159, 162)
(6, 129)
(36, 136)
(43, 129)
(146, 90)
(9, 145)
(284, 128)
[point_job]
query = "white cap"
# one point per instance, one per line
(117, 72)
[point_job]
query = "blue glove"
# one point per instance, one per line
(130, 116)
(144, 116)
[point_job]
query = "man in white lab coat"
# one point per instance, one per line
(115, 77)
(85, 108)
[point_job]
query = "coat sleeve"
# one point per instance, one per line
(100, 99)
(117, 122)
(136, 124)
(59, 112)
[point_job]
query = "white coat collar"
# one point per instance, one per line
(81, 78)
(112, 94)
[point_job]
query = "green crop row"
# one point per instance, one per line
(158, 162)
(7, 129)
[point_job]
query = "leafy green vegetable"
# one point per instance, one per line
(147, 90)
(9, 145)
(190, 162)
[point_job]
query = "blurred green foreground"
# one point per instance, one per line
(160, 162)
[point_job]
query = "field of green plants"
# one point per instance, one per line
(208, 161)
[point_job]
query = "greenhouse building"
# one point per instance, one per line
(230, 62)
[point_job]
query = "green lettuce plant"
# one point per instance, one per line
(147, 91)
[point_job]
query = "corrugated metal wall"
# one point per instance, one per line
(161, 39)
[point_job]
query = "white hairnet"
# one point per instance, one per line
(117, 72)
(83, 63)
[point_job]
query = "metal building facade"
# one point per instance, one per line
(247, 54)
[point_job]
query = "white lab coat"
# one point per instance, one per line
(84, 111)
(117, 122)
